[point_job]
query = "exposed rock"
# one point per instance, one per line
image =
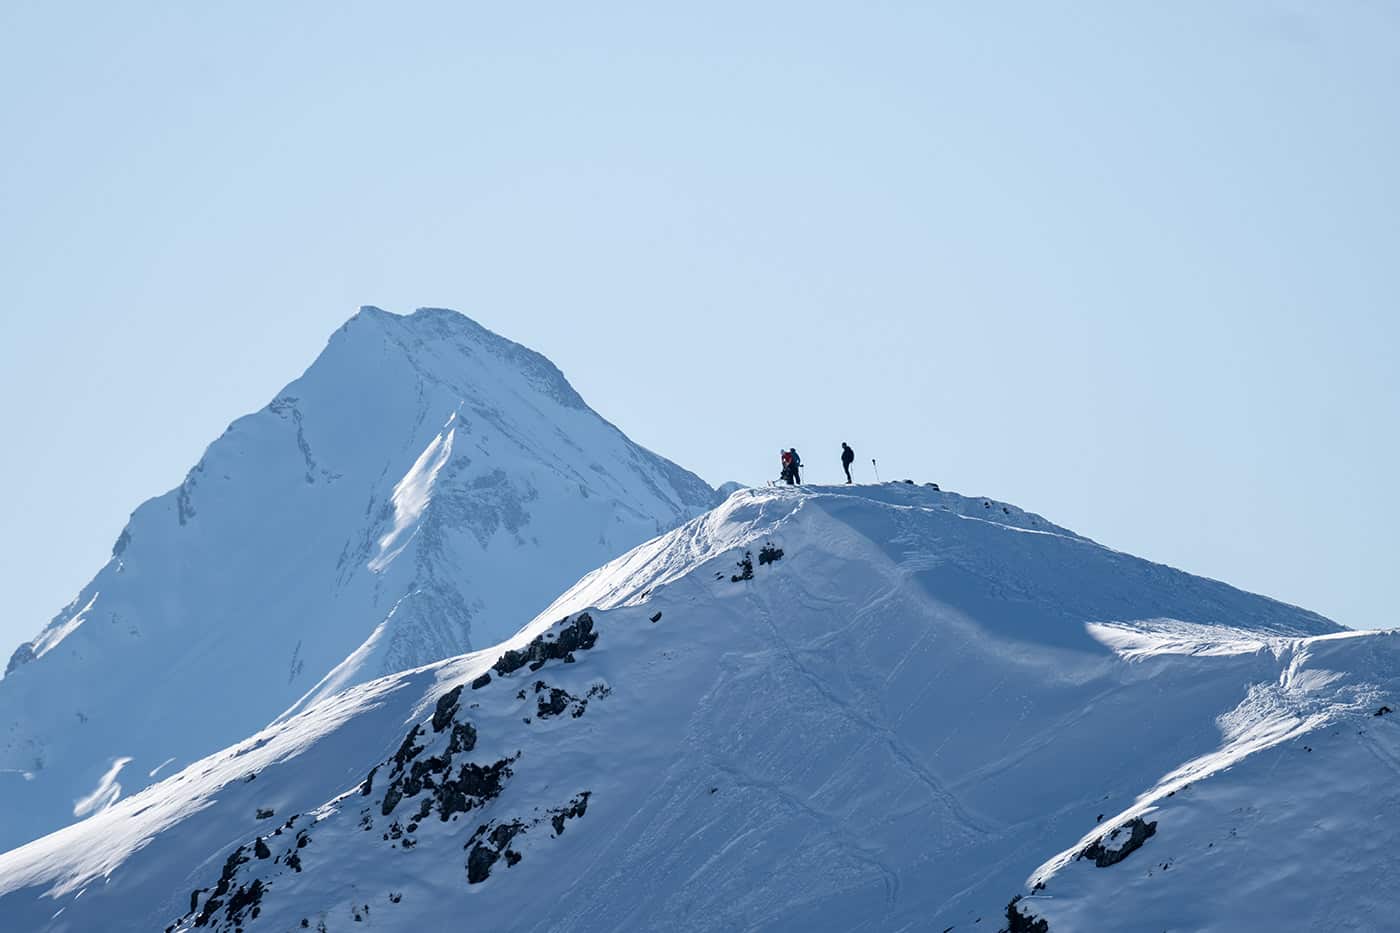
(473, 786)
(491, 841)
(769, 554)
(487, 845)
(446, 707)
(392, 795)
(463, 738)
(745, 569)
(1139, 832)
(575, 636)
(656, 618)
(215, 900)
(245, 902)
(575, 808)
(407, 750)
(479, 862)
(1017, 922)
(481, 681)
(554, 702)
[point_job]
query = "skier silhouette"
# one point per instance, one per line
(794, 467)
(787, 467)
(848, 457)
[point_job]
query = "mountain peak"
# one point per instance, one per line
(420, 488)
(448, 347)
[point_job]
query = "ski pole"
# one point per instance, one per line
(877, 469)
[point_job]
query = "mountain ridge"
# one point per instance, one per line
(892, 705)
(422, 480)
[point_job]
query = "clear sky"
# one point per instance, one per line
(1130, 265)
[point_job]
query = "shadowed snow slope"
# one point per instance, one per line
(421, 489)
(896, 723)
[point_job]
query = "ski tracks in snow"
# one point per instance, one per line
(896, 746)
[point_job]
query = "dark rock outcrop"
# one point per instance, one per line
(1017, 922)
(575, 808)
(1139, 831)
(577, 635)
(408, 750)
(473, 786)
(215, 899)
(487, 845)
(491, 842)
(446, 708)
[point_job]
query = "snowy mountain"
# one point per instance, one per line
(423, 487)
(853, 708)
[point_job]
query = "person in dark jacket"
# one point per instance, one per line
(795, 466)
(787, 467)
(848, 456)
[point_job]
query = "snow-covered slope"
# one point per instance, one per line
(870, 708)
(424, 486)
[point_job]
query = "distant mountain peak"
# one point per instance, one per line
(424, 485)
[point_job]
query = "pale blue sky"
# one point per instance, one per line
(1130, 265)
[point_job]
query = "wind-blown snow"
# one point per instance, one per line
(106, 793)
(424, 486)
(925, 706)
(411, 497)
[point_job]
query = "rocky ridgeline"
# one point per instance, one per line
(430, 775)
(426, 777)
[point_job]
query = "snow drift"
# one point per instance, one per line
(869, 708)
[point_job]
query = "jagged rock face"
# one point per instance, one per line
(423, 488)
